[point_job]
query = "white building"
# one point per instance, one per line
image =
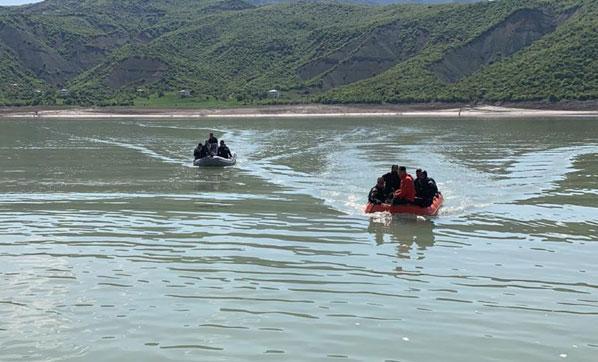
(184, 93)
(273, 93)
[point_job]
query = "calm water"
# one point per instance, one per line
(113, 248)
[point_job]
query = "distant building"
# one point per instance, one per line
(140, 90)
(185, 93)
(273, 93)
(64, 92)
(37, 91)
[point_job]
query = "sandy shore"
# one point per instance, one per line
(298, 111)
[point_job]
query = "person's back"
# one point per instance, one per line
(428, 190)
(224, 151)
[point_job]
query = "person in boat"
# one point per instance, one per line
(418, 182)
(392, 181)
(212, 143)
(197, 151)
(378, 194)
(425, 189)
(201, 151)
(224, 151)
(212, 139)
(406, 192)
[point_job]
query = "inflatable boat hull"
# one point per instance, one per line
(431, 210)
(215, 161)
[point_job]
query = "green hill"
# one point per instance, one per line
(143, 52)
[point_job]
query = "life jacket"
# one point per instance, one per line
(407, 189)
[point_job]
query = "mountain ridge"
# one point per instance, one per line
(323, 51)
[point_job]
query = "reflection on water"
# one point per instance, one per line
(406, 232)
(113, 247)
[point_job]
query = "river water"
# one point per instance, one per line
(114, 248)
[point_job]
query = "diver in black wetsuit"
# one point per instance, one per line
(425, 189)
(377, 194)
(224, 151)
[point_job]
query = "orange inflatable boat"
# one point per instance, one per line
(431, 210)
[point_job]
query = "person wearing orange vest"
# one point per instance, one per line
(406, 192)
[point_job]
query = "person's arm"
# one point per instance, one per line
(397, 193)
(434, 188)
(400, 192)
(372, 197)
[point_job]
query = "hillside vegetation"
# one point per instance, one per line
(109, 52)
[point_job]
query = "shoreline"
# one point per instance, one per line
(301, 111)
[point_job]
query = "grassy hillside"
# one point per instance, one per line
(561, 64)
(143, 52)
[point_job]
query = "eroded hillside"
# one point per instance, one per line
(112, 52)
